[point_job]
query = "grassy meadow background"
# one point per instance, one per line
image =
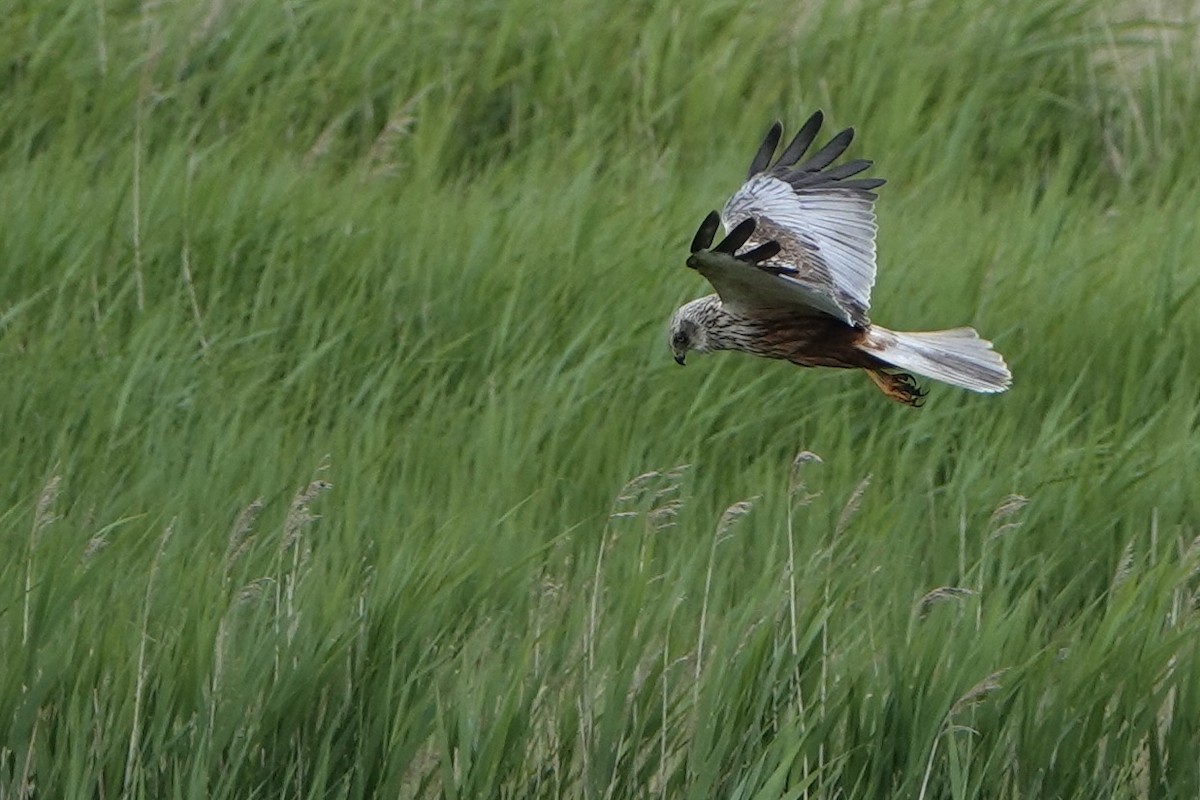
(343, 456)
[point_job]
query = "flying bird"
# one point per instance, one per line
(793, 278)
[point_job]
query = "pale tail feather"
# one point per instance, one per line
(957, 356)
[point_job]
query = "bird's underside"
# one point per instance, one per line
(794, 274)
(818, 340)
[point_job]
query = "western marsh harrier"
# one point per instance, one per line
(794, 276)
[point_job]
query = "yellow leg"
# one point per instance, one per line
(899, 386)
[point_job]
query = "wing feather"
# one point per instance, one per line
(801, 142)
(759, 286)
(846, 170)
(829, 153)
(824, 225)
(766, 151)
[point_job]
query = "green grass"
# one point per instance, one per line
(332, 337)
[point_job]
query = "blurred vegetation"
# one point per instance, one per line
(344, 455)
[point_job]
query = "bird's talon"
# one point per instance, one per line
(899, 386)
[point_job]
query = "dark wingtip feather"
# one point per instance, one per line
(866, 184)
(766, 150)
(706, 232)
(737, 237)
(827, 154)
(801, 141)
(846, 170)
(761, 253)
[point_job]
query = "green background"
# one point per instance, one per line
(343, 454)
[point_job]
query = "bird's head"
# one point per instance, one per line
(686, 331)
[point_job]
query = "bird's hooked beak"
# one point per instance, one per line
(679, 359)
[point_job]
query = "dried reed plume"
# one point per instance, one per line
(1008, 507)
(240, 539)
(298, 516)
(978, 693)
(722, 532)
(941, 595)
(43, 517)
(1124, 567)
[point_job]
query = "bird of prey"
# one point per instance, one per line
(794, 276)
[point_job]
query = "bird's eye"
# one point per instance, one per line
(679, 339)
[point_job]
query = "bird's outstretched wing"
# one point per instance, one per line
(823, 220)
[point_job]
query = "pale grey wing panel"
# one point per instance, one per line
(826, 235)
(754, 287)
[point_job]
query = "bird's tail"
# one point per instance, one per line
(957, 356)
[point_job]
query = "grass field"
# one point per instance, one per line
(343, 455)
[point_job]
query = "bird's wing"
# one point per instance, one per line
(823, 220)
